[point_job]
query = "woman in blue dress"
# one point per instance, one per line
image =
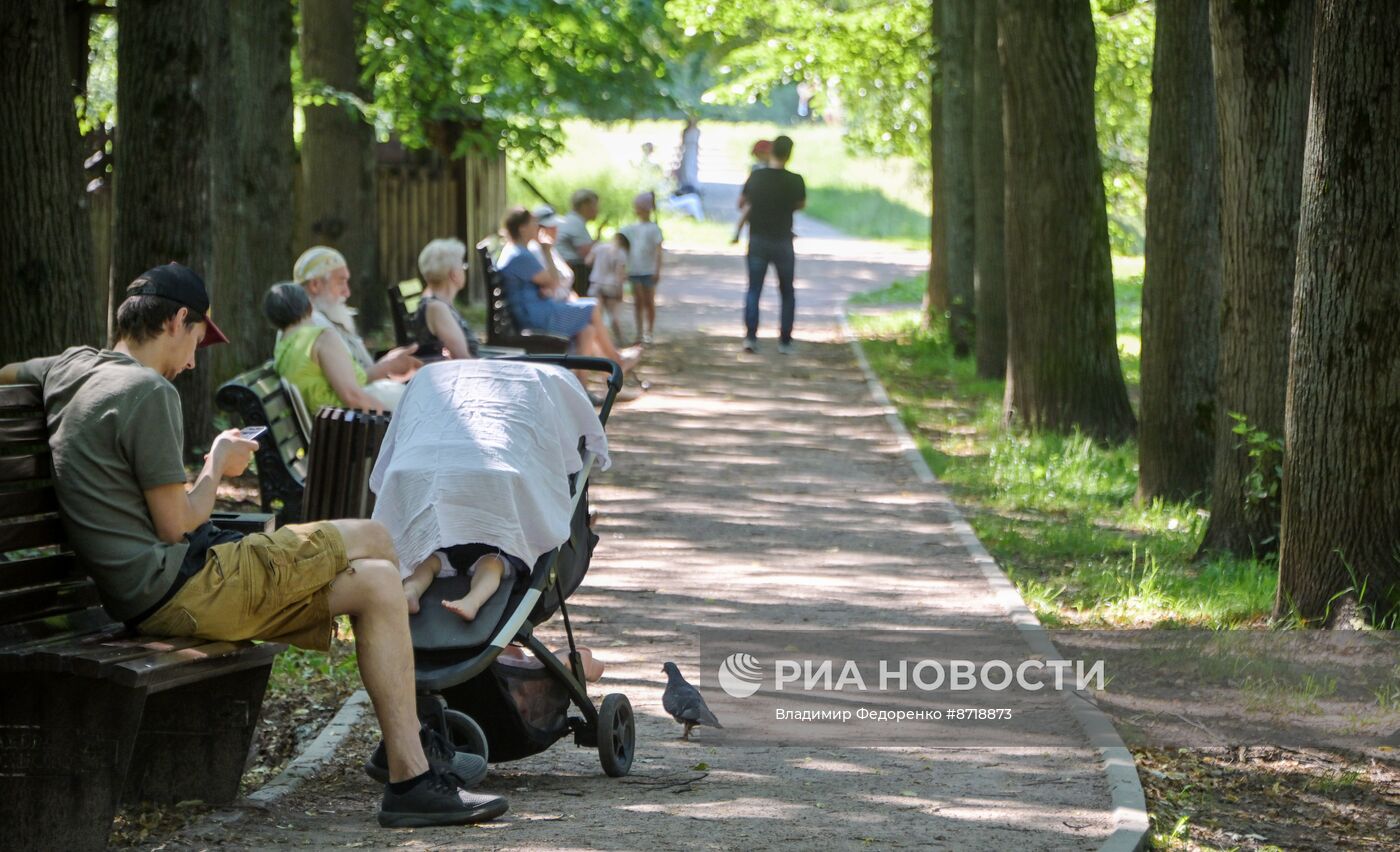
(529, 286)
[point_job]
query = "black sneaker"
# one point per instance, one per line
(468, 768)
(437, 800)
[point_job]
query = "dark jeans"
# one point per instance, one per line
(580, 270)
(778, 252)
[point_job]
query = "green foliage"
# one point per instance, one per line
(491, 75)
(1122, 99)
(1057, 512)
(1264, 482)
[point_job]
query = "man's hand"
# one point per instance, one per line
(230, 454)
(399, 364)
(544, 238)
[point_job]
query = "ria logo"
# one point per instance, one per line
(740, 675)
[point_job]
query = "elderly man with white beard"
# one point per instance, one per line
(325, 275)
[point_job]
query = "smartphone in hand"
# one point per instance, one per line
(251, 433)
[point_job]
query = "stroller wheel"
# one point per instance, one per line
(466, 734)
(617, 735)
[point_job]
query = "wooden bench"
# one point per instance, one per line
(93, 716)
(259, 398)
(344, 445)
(501, 329)
(403, 304)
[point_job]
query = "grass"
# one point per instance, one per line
(876, 198)
(1058, 511)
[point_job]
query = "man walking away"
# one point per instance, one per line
(772, 195)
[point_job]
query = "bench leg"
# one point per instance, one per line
(194, 740)
(65, 745)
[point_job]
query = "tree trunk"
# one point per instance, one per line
(1181, 285)
(163, 167)
(252, 177)
(989, 199)
(1341, 478)
(1262, 56)
(1062, 370)
(337, 153)
(45, 241)
(936, 291)
(958, 28)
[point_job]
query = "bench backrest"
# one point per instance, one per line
(44, 593)
(344, 446)
(403, 304)
(259, 398)
(500, 324)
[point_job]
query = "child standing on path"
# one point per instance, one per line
(644, 263)
(608, 262)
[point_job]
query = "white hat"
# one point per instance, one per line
(317, 262)
(548, 218)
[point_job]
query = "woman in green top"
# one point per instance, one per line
(318, 364)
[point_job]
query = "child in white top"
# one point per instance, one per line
(608, 262)
(644, 263)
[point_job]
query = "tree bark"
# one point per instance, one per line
(989, 199)
(1341, 477)
(936, 291)
(1181, 284)
(162, 178)
(1062, 368)
(45, 241)
(337, 153)
(958, 28)
(252, 174)
(1263, 53)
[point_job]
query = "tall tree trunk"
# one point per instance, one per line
(1341, 477)
(45, 242)
(1181, 285)
(990, 198)
(1062, 370)
(252, 174)
(337, 153)
(163, 166)
(958, 28)
(936, 291)
(1263, 53)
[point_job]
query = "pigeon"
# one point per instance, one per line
(684, 702)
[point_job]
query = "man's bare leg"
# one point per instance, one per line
(415, 584)
(369, 592)
(486, 578)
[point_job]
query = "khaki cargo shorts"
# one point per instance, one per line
(269, 586)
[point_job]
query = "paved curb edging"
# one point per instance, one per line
(1130, 823)
(317, 753)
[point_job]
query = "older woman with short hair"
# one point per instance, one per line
(436, 325)
(529, 285)
(319, 365)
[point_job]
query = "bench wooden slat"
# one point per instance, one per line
(59, 567)
(53, 599)
(26, 502)
(37, 533)
(93, 661)
(21, 396)
(26, 428)
(177, 673)
(20, 637)
(27, 466)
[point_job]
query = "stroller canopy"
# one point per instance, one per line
(481, 452)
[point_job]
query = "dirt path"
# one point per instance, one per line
(762, 490)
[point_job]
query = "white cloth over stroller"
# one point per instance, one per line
(480, 452)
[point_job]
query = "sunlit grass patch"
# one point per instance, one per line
(1057, 511)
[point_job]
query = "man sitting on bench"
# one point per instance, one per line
(116, 433)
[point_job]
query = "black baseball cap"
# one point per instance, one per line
(180, 284)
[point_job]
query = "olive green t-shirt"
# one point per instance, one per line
(115, 430)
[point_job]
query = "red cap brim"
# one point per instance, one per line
(212, 334)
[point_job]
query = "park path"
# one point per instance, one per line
(755, 489)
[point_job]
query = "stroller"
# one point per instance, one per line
(507, 712)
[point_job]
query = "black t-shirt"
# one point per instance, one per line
(773, 194)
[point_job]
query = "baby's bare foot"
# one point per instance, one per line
(461, 607)
(411, 595)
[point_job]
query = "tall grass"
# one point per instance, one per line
(1058, 511)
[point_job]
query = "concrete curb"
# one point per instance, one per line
(317, 753)
(1130, 823)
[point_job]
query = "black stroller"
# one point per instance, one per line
(507, 712)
